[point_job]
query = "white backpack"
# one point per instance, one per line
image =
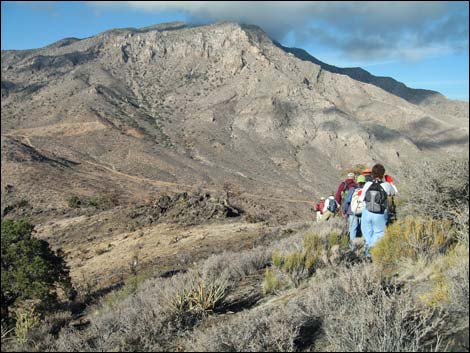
(356, 205)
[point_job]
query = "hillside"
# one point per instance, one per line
(179, 108)
(176, 167)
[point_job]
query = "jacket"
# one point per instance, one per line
(350, 183)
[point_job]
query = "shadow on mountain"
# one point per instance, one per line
(16, 151)
(414, 96)
(432, 145)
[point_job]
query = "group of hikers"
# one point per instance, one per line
(366, 200)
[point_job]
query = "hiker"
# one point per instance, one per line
(331, 208)
(319, 208)
(354, 209)
(375, 195)
(343, 190)
(367, 174)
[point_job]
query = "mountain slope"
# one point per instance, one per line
(171, 107)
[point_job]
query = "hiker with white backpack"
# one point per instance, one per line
(353, 209)
(375, 195)
(330, 208)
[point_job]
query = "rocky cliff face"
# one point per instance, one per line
(171, 107)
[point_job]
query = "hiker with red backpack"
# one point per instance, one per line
(343, 190)
(354, 209)
(375, 195)
(319, 208)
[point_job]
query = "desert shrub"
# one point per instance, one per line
(129, 288)
(457, 274)
(439, 293)
(196, 295)
(360, 312)
(93, 202)
(157, 312)
(337, 239)
(448, 284)
(74, 201)
(297, 265)
(271, 281)
(412, 238)
(315, 251)
(30, 269)
(15, 206)
(235, 266)
(26, 318)
(272, 329)
(460, 220)
(139, 322)
(436, 189)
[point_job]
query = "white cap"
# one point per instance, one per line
(351, 175)
(322, 198)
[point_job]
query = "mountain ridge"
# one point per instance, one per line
(210, 105)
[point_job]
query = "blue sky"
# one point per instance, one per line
(422, 44)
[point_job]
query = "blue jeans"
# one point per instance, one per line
(354, 224)
(373, 227)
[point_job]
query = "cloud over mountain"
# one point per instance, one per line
(360, 30)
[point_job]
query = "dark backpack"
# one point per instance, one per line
(376, 198)
(392, 211)
(332, 206)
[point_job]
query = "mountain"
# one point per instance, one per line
(178, 108)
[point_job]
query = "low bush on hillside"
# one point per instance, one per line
(101, 201)
(74, 201)
(361, 312)
(316, 251)
(413, 238)
(436, 189)
(273, 329)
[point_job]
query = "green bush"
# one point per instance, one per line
(30, 269)
(74, 201)
(298, 265)
(271, 282)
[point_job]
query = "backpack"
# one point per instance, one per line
(332, 206)
(344, 194)
(356, 205)
(376, 198)
(392, 211)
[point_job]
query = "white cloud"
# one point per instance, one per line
(359, 30)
